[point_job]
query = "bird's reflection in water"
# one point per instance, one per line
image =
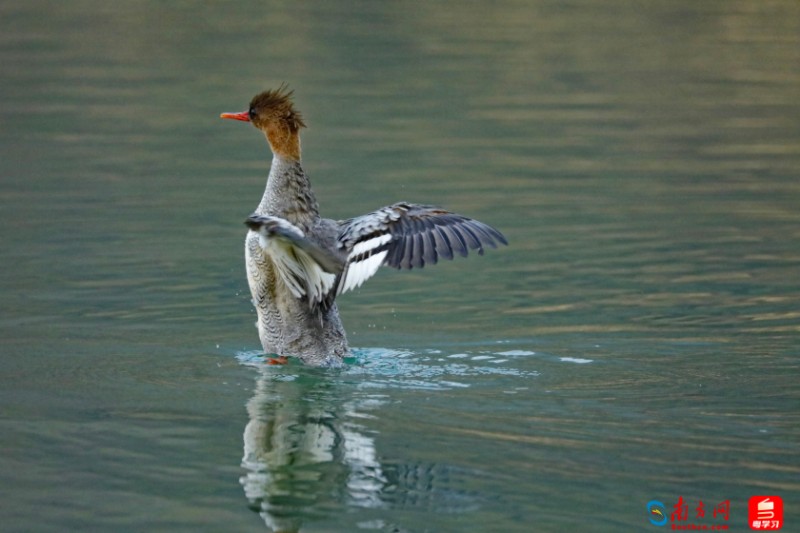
(310, 451)
(305, 453)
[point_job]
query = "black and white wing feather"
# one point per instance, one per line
(306, 268)
(407, 236)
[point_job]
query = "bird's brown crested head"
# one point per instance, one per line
(275, 105)
(273, 112)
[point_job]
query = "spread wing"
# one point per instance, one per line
(305, 268)
(407, 236)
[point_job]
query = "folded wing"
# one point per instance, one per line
(306, 269)
(407, 236)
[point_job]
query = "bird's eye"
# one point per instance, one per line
(251, 113)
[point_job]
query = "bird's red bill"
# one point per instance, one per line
(244, 116)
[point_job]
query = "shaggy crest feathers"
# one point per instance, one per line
(276, 104)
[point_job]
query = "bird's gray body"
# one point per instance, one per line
(288, 325)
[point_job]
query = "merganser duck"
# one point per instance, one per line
(298, 263)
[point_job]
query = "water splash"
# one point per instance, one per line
(429, 369)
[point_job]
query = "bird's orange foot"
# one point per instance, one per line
(280, 360)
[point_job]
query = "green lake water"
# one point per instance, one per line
(638, 340)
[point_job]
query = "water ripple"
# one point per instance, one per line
(425, 370)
